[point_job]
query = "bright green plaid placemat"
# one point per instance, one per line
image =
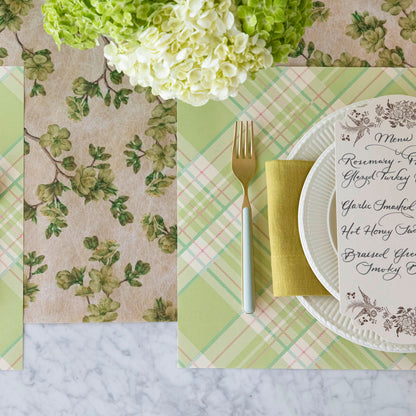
(11, 218)
(284, 103)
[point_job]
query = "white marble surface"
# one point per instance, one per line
(130, 370)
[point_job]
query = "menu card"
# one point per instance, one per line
(376, 216)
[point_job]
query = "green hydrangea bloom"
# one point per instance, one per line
(281, 23)
(79, 24)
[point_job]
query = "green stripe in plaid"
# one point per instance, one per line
(284, 103)
(11, 218)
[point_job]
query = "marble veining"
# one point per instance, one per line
(130, 370)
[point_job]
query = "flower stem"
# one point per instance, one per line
(106, 69)
(21, 44)
(30, 273)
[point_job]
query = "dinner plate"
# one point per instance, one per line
(325, 309)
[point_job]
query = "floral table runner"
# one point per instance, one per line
(73, 99)
(100, 183)
(11, 218)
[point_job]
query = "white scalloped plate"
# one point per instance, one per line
(325, 309)
(314, 231)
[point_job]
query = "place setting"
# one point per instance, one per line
(334, 254)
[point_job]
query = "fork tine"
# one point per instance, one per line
(241, 141)
(252, 153)
(235, 149)
(246, 141)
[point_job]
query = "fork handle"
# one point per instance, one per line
(247, 257)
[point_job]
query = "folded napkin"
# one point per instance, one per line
(292, 275)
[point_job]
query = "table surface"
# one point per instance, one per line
(130, 370)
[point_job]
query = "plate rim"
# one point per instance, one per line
(301, 218)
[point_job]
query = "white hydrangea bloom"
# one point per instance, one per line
(194, 52)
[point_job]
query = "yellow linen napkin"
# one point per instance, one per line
(292, 275)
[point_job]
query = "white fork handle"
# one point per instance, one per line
(247, 255)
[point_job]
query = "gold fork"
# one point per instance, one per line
(244, 167)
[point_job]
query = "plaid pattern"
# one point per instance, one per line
(11, 218)
(284, 103)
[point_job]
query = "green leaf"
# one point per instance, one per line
(76, 108)
(44, 52)
(91, 243)
(85, 108)
(103, 166)
(139, 89)
(142, 268)
(62, 207)
(41, 89)
(119, 210)
(135, 283)
(37, 89)
(311, 48)
(150, 98)
(49, 231)
(30, 213)
(121, 97)
(26, 55)
(116, 77)
(299, 49)
(320, 13)
(115, 258)
(65, 279)
(39, 259)
(41, 269)
(92, 150)
(26, 148)
(117, 102)
(136, 144)
(68, 163)
(158, 184)
(107, 99)
(3, 53)
(84, 291)
(125, 218)
(80, 86)
(128, 269)
(94, 90)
